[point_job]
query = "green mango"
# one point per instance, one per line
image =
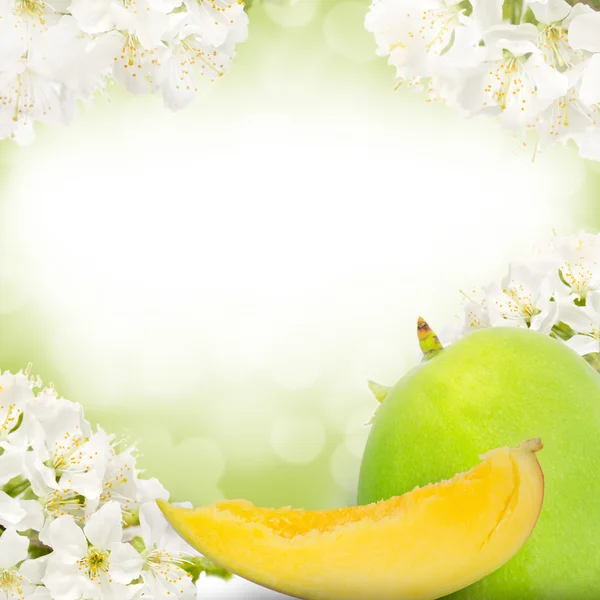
(497, 387)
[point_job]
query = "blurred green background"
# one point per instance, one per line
(219, 283)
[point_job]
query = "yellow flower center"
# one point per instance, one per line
(94, 563)
(11, 584)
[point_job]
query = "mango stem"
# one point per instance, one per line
(428, 340)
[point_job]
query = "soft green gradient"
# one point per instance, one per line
(213, 438)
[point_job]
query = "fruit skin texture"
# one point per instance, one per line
(420, 546)
(499, 386)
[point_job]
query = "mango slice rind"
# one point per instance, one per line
(423, 545)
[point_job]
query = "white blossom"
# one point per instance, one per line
(15, 392)
(77, 517)
(585, 320)
(14, 583)
(537, 72)
(92, 562)
(55, 53)
(555, 18)
(514, 83)
(414, 33)
(31, 88)
(164, 555)
(20, 514)
(584, 31)
(556, 291)
(579, 265)
(524, 299)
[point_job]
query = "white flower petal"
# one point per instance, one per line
(465, 52)
(150, 28)
(135, 79)
(392, 22)
(66, 538)
(176, 583)
(34, 516)
(487, 13)
(476, 317)
(551, 11)
(41, 477)
(550, 84)
(12, 47)
(176, 82)
(213, 27)
(576, 11)
(11, 511)
(151, 489)
(34, 570)
(576, 317)
(16, 389)
(125, 563)
(104, 528)
(164, 6)
(11, 464)
(66, 582)
(583, 344)
(155, 528)
(78, 61)
(87, 484)
(517, 39)
(110, 590)
(93, 16)
(547, 318)
(20, 514)
(593, 303)
(40, 593)
(13, 548)
(590, 86)
(584, 32)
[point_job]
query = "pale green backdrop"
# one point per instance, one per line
(257, 389)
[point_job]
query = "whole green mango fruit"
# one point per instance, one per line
(496, 387)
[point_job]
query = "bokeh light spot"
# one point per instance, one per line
(286, 14)
(344, 466)
(298, 439)
(345, 33)
(202, 461)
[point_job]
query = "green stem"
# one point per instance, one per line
(16, 486)
(563, 331)
(428, 340)
(513, 11)
(517, 11)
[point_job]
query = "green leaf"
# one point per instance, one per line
(379, 391)
(201, 564)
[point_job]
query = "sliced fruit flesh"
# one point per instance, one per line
(422, 545)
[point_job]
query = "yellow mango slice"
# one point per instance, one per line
(420, 546)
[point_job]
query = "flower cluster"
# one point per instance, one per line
(556, 292)
(56, 52)
(532, 64)
(76, 519)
